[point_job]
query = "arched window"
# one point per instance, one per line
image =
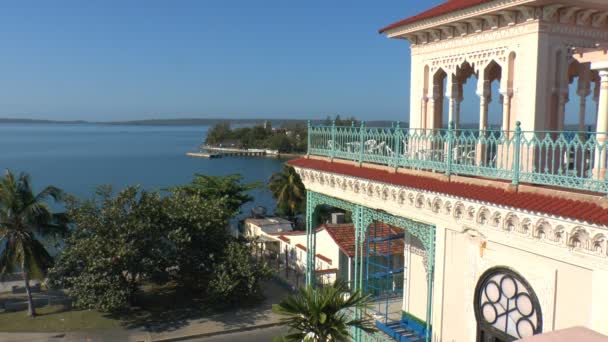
(506, 307)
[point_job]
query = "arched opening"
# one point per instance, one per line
(468, 104)
(439, 107)
(491, 90)
(506, 307)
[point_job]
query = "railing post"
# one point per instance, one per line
(309, 129)
(333, 140)
(361, 142)
(516, 161)
(397, 142)
(450, 154)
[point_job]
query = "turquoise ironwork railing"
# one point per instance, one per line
(576, 160)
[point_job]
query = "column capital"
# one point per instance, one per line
(506, 92)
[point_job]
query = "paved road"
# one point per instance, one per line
(262, 335)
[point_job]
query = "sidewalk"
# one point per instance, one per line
(238, 320)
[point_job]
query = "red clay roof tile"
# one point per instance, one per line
(284, 239)
(444, 8)
(584, 211)
(344, 236)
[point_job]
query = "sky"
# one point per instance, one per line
(124, 60)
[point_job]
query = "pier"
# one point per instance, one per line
(219, 152)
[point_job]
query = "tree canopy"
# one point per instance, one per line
(123, 241)
(287, 139)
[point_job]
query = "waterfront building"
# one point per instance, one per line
(511, 220)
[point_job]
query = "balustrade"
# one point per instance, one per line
(566, 159)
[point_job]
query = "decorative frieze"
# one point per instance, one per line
(578, 237)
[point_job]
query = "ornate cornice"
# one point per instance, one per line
(577, 20)
(461, 15)
(578, 237)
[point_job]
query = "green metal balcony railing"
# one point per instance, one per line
(575, 160)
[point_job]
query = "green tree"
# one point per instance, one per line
(213, 188)
(237, 276)
(196, 230)
(321, 314)
(24, 217)
(280, 142)
(287, 188)
(116, 245)
(219, 133)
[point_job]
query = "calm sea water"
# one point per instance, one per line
(79, 157)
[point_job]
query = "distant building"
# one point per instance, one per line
(335, 254)
(253, 227)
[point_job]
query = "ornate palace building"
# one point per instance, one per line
(504, 220)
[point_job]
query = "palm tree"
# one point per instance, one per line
(24, 217)
(287, 188)
(322, 314)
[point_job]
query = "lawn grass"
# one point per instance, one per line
(156, 308)
(57, 319)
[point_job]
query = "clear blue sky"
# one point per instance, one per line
(113, 60)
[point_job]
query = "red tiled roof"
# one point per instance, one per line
(581, 210)
(327, 271)
(344, 236)
(324, 258)
(302, 247)
(284, 239)
(444, 8)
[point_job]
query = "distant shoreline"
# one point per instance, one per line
(180, 122)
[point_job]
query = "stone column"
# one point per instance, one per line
(599, 169)
(506, 110)
(484, 93)
(457, 115)
(584, 90)
(424, 104)
(562, 99)
(454, 95)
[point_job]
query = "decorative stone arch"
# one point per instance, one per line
(559, 235)
(447, 208)
(511, 223)
(598, 244)
(579, 238)
(459, 211)
(437, 204)
(436, 94)
(543, 230)
(483, 216)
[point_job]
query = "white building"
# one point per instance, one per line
(512, 219)
(335, 251)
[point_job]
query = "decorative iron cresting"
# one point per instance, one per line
(575, 160)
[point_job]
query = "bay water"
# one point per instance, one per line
(79, 157)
